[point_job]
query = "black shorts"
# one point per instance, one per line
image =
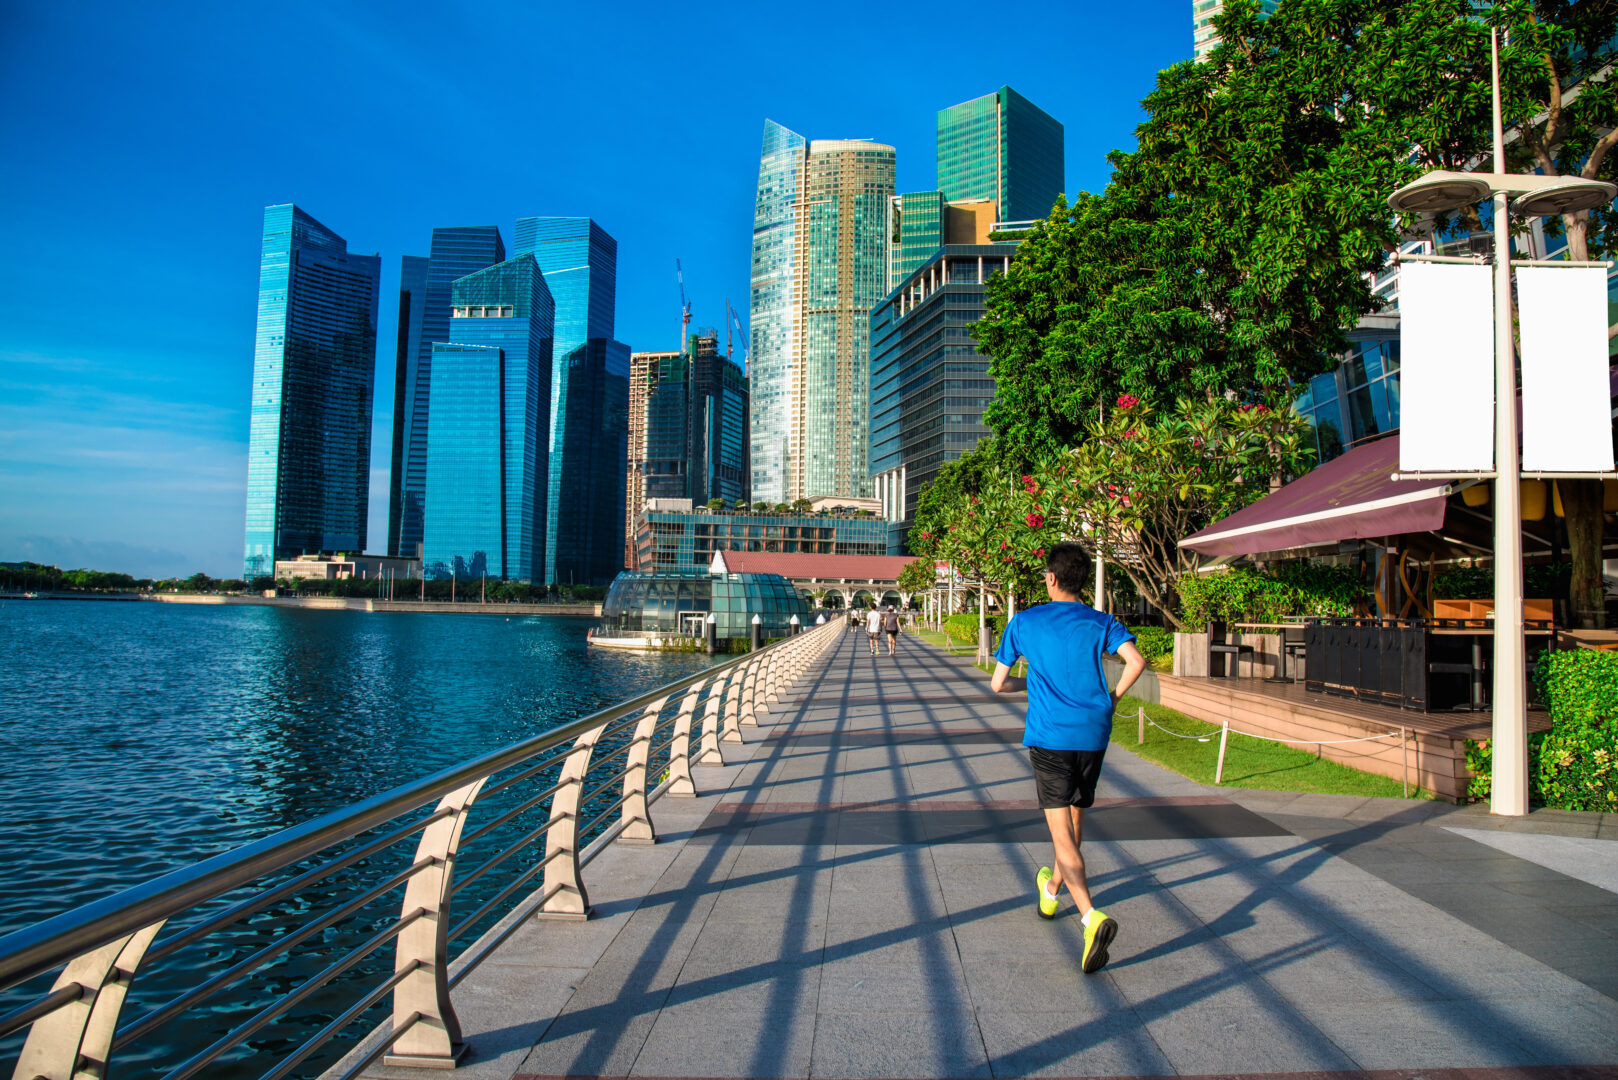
(1065, 777)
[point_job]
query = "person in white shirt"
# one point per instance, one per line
(873, 627)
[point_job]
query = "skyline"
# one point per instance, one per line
(156, 144)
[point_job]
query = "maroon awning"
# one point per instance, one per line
(1351, 497)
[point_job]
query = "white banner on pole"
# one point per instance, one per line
(1446, 367)
(1566, 392)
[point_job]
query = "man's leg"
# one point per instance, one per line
(1067, 833)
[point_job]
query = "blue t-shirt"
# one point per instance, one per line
(1069, 703)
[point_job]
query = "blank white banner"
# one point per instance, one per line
(1446, 367)
(1566, 394)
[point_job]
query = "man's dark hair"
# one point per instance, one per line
(1070, 565)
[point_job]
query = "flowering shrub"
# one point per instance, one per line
(1573, 766)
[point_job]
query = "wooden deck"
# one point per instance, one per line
(1428, 749)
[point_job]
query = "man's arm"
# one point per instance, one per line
(1001, 681)
(1134, 664)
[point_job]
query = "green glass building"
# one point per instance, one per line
(1001, 146)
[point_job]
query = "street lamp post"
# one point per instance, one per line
(1537, 196)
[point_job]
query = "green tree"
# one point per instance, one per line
(1145, 479)
(918, 576)
(716, 504)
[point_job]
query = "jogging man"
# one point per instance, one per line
(890, 627)
(1069, 723)
(873, 627)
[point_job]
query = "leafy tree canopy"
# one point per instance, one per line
(1229, 251)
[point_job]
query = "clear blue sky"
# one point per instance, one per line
(142, 142)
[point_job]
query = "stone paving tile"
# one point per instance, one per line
(895, 1044)
(1038, 1042)
(1241, 1032)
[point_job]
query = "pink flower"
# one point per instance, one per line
(1034, 520)
(1039, 552)
(1127, 401)
(1028, 478)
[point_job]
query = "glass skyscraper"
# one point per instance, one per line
(688, 429)
(487, 451)
(309, 441)
(589, 399)
(424, 314)
(1001, 146)
(929, 384)
(819, 266)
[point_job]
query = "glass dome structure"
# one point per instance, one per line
(663, 602)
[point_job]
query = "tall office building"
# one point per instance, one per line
(487, 451)
(424, 314)
(688, 429)
(921, 222)
(929, 384)
(1203, 35)
(589, 403)
(819, 266)
(309, 441)
(1001, 146)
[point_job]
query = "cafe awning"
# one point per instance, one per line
(1351, 497)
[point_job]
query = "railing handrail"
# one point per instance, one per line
(49, 944)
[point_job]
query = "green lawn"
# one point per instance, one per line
(1249, 762)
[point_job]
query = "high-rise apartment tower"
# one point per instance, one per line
(819, 266)
(1001, 146)
(1203, 35)
(309, 435)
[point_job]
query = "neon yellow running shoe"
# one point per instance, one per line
(1047, 902)
(1098, 934)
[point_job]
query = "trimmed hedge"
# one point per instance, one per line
(1573, 766)
(1247, 595)
(963, 628)
(1154, 642)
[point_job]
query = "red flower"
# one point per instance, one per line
(1034, 520)
(1127, 401)
(1028, 478)
(1039, 552)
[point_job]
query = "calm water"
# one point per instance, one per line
(139, 737)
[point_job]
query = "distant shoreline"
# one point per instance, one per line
(323, 603)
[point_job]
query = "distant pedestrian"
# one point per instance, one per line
(853, 620)
(1069, 723)
(890, 627)
(873, 627)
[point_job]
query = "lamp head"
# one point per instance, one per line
(1566, 196)
(1439, 192)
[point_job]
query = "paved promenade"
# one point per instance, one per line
(853, 897)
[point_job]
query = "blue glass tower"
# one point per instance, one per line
(486, 446)
(309, 440)
(424, 318)
(589, 399)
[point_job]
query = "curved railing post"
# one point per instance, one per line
(709, 752)
(732, 724)
(421, 1005)
(637, 816)
(680, 782)
(564, 892)
(75, 1040)
(749, 715)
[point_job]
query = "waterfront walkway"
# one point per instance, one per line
(853, 897)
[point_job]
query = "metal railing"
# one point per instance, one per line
(248, 909)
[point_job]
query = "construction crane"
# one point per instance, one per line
(732, 319)
(685, 305)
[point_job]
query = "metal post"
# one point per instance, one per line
(564, 892)
(636, 814)
(796, 624)
(1101, 583)
(75, 1040)
(680, 782)
(710, 633)
(1508, 790)
(757, 633)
